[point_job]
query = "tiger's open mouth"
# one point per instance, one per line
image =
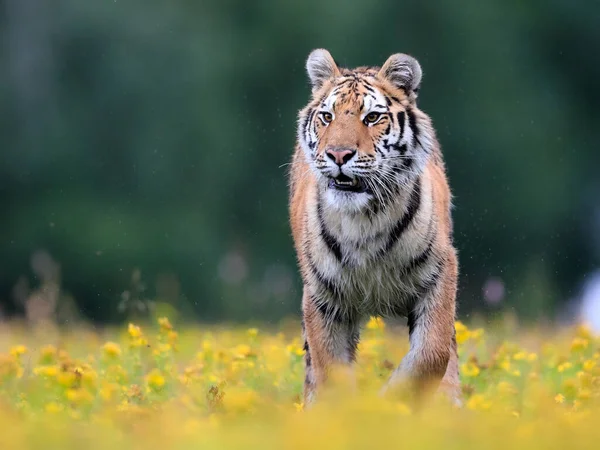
(347, 184)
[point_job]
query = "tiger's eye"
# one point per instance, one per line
(327, 117)
(372, 117)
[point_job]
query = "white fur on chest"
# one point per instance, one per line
(372, 279)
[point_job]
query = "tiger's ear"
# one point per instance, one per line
(321, 67)
(403, 71)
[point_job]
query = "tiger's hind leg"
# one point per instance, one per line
(329, 340)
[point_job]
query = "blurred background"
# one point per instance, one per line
(143, 147)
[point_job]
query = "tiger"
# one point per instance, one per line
(370, 214)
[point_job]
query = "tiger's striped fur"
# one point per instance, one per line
(378, 241)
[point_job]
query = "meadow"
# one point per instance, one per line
(158, 386)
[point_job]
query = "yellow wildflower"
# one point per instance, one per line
(520, 356)
(470, 369)
(478, 402)
(112, 350)
(155, 380)
(462, 333)
(579, 344)
(165, 324)
(559, 398)
(46, 371)
(79, 396)
(295, 349)
(53, 407)
(242, 351)
(252, 332)
(161, 349)
(134, 331)
(564, 366)
(18, 350)
(588, 365)
(477, 334)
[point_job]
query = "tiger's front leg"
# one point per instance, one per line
(432, 360)
(329, 339)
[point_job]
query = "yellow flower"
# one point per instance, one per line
(155, 380)
(477, 334)
(162, 349)
(375, 323)
(520, 356)
(66, 379)
(46, 371)
(252, 332)
(112, 350)
(559, 398)
(53, 407)
(299, 406)
(165, 324)
(588, 365)
(18, 350)
(564, 366)
(79, 396)
(579, 344)
(478, 402)
(134, 331)
(295, 349)
(462, 332)
(242, 351)
(470, 369)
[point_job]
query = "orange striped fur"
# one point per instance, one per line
(370, 217)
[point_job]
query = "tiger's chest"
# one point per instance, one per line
(372, 265)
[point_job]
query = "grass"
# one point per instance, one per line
(225, 387)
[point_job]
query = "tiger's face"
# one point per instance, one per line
(362, 134)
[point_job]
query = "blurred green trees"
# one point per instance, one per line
(153, 136)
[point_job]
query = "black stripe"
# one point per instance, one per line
(412, 121)
(430, 283)
(400, 116)
(330, 313)
(329, 240)
(353, 344)
(413, 206)
(411, 322)
(368, 87)
(329, 285)
(419, 260)
(307, 127)
(388, 101)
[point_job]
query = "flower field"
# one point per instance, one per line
(158, 387)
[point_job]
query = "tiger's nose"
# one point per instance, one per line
(340, 157)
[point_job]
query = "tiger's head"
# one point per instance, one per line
(362, 133)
